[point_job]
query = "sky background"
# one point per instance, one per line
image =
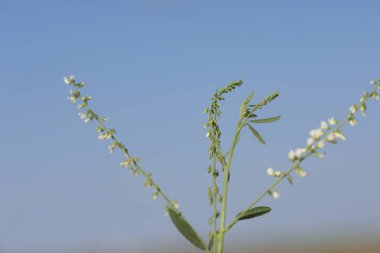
(151, 67)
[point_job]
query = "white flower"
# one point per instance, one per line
(330, 137)
(375, 95)
(105, 136)
(319, 155)
(316, 133)
(69, 80)
(273, 173)
(82, 115)
(274, 193)
(102, 137)
(125, 163)
(324, 125)
(112, 147)
(332, 121)
(353, 109)
(81, 106)
(155, 196)
(72, 99)
(353, 121)
(175, 204)
(299, 152)
(301, 173)
(363, 109)
(292, 155)
(66, 80)
(321, 144)
(339, 135)
(208, 134)
(277, 173)
(310, 142)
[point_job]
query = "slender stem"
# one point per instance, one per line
(225, 188)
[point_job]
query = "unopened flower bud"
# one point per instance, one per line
(324, 125)
(332, 121)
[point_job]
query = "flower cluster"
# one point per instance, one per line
(328, 132)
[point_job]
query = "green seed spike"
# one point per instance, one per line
(265, 101)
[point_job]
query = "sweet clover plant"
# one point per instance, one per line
(329, 132)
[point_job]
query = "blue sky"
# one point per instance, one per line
(151, 67)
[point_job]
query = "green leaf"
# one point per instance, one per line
(211, 244)
(186, 229)
(255, 212)
(267, 120)
(255, 133)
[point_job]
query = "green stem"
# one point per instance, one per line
(225, 189)
(214, 192)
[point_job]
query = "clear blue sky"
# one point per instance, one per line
(151, 67)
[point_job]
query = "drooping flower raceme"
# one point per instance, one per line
(330, 131)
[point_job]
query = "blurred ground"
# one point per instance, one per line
(371, 245)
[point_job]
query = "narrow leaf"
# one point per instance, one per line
(255, 212)
(267, 120)
(186, 229)
(255, 133)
